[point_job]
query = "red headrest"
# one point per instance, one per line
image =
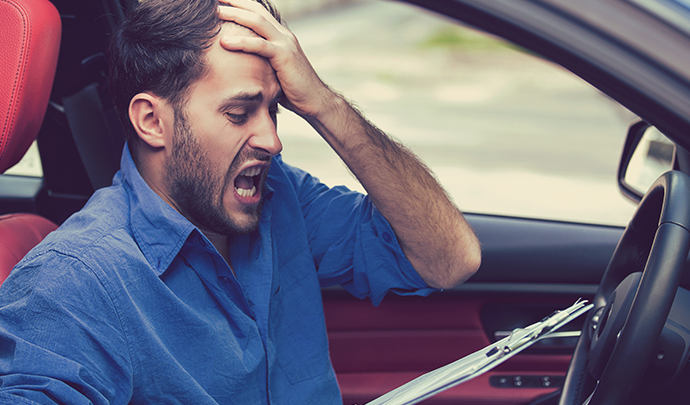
(29, 45)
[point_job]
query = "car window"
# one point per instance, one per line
(29, 165)
(505, 131)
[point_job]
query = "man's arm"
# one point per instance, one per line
(61, 337)
(431, 230)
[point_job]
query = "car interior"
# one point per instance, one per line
(26, 82)
(53, 89)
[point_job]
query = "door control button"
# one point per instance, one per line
(526, 381)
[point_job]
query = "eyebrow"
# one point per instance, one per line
(241, 97)
(244, 97)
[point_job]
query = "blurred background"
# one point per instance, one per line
(506, 132)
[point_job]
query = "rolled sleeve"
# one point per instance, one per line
(378, 248)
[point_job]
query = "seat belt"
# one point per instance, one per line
(97, 134)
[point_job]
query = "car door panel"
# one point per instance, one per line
(530, 268)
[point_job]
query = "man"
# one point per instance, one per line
(196, 277)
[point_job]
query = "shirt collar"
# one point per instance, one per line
(159, 230)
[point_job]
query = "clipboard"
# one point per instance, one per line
(481, 361)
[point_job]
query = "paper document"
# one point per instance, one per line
(481, 361)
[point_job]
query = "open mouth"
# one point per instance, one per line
(248, 181)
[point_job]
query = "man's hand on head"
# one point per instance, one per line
(305, 93)
(400, 186)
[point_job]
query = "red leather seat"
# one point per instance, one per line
(18, 234)
(30, 32)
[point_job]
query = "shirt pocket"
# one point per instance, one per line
(297, 321)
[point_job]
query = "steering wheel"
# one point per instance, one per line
(634, 298)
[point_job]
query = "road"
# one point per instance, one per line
(506, 132)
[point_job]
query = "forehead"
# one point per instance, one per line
(229, 73)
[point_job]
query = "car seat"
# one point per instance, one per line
(30, 32)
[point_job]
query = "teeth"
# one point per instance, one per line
(246, 193)
(251, 172)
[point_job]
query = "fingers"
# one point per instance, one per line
(256, 18)
(280, 47)
(251, 5)
(249, 19)
(258, 46)
(266, 31)
(245, 12)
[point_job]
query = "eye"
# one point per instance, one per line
(237, 119)
(274, 110)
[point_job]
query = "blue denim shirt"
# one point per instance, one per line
(128, 302)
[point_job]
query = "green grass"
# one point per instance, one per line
(462, 39)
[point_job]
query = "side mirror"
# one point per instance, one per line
(647, 154)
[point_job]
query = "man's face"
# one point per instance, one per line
(223, 142)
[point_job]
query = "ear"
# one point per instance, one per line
(148, 115)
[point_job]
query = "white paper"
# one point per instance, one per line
(481, 361)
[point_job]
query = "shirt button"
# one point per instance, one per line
(387, 237)
(224, 279)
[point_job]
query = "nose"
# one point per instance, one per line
(265, 135)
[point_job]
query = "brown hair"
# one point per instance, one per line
(159, 47)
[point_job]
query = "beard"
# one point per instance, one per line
(198, 190)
